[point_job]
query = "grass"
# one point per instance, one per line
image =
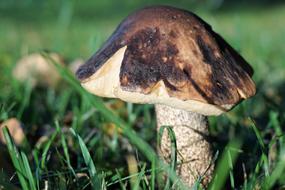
(89, 150)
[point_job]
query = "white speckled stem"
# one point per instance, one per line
(194, 151)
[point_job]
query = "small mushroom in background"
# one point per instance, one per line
(172, 58)
(16, 131)
(75, 64)
(37, 70)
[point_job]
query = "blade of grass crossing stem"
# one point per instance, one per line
(224, 165)
(96, 181)
(173, 148)
(146, 149)
(16, 159)
(28, 171)
(263, 148)
(197, 184)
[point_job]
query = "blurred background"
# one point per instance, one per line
(44, 102)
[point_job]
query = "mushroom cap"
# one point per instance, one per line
(165, 55)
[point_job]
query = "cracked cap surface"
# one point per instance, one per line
(169, 56)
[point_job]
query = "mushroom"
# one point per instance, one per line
(15, 129)
(37, 70)
(172, 58)
(75, 64)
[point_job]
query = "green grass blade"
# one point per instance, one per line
(95, 178)
(276, 173)
(26, 99)
(197, 184)
(173, 154)
(46, 148)
(16, 159)
(28, 172)
(139, 178)
(153, 173)
(65, 148)
(277, 127)
(4, 110)
(120, 180)
(231, 170)
(224, 164)
(38, 171)
(263, 148)
(258, 135)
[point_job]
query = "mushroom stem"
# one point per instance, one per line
(194, 156)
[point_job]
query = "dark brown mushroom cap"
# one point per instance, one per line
(175, 48)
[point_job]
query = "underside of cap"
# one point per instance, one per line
(169, 56)
(106, 83)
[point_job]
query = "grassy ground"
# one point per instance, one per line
(102, 143)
